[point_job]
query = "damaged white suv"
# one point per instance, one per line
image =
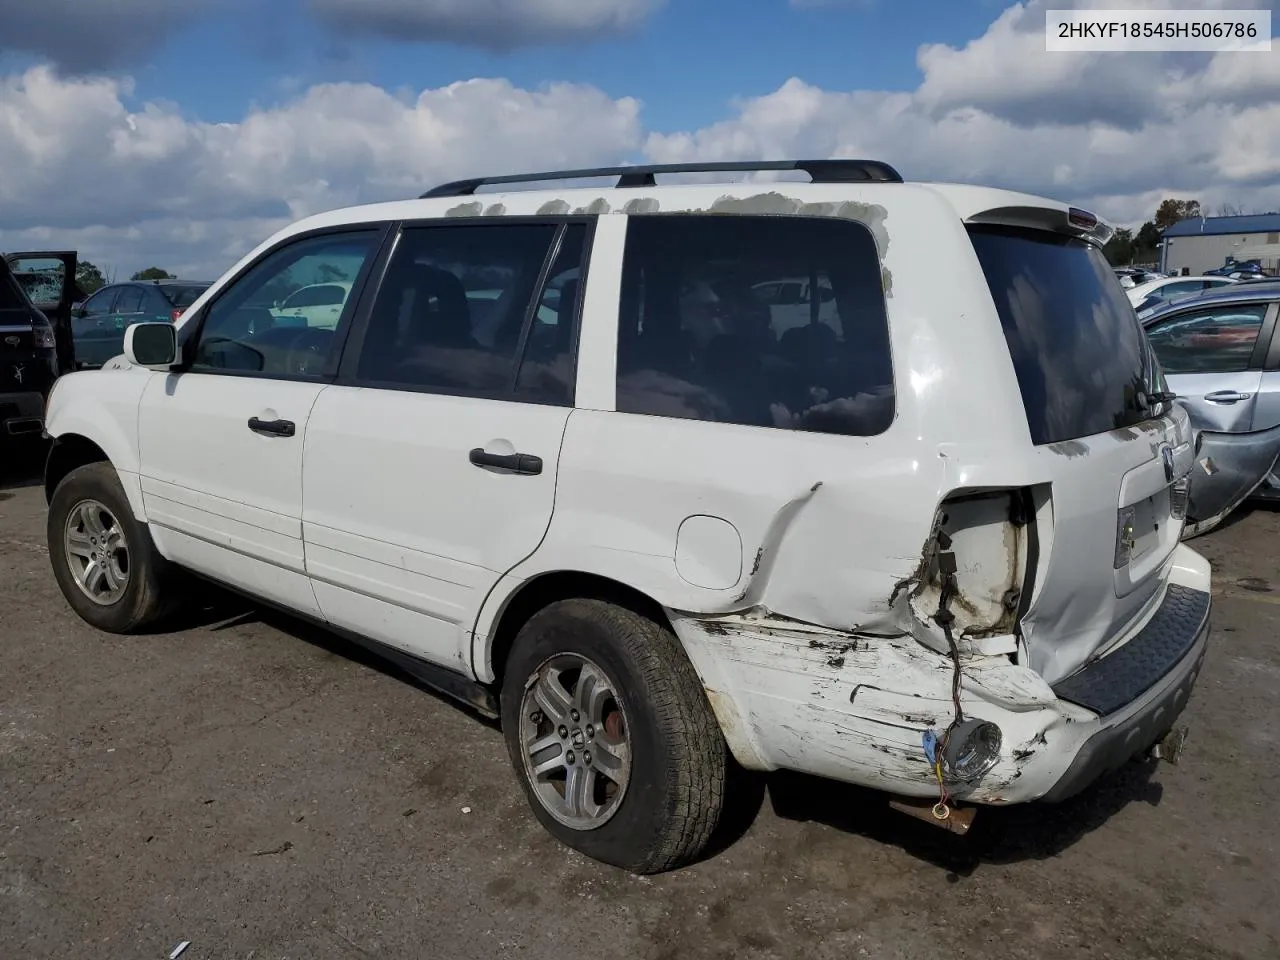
(868, 479)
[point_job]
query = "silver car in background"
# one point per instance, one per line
(1221, 355)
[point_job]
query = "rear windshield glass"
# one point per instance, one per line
(11, 297)
(183, 296)
(1077, 346)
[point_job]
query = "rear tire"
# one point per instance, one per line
(584, 676)
(103, 559)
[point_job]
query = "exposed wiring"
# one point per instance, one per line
(945, 619)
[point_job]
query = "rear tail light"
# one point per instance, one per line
(1179, 494)
(1125, 536)
(1081, 219)
(42, 338)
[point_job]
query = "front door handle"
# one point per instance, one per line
(1226, 396)
(274, 428)
(525, 464)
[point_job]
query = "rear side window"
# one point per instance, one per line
(717, 323)
(182, 296)
(11, 297)
(1081, 357)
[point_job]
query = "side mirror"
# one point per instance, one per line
(151, 345)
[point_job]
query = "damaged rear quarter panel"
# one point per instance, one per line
(829, 524)
(855, 708)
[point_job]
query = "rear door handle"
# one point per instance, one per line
(274, 428)
(525, 464)
(1226, 396)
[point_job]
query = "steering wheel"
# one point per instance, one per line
(306, 351)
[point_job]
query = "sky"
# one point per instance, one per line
(181, 134)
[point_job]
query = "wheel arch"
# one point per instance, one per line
(70, 451)
(492, 648)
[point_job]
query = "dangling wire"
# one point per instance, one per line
(945, 618)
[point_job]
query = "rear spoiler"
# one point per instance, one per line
(1070, 220)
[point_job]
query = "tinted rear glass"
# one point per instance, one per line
(1078, 349)
(763, 321)
(11, 297)
(183, 296)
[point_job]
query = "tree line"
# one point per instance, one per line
(1143, 246)
(90, 278)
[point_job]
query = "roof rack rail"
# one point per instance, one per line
(820, 171)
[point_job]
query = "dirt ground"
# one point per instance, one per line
(262, 790)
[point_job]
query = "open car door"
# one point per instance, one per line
(49, 279)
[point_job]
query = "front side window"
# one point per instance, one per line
(245, 331)
(451, 313)
(1217, 340)
(716, 323)
(100, 304)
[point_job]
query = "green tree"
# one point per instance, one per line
(1148, 237)
(1171, 211)
(153, 273)
(89, 278)
(1119, 249)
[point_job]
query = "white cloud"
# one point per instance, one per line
(76, 159)
(1116, 131)
(494, 24)
(133, 186)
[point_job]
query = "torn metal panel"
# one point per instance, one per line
(988, 533)
(1229, 468)
(855, 706)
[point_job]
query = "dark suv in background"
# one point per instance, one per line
(36, 293)
(99, 323)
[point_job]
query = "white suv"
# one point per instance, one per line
(926, 542)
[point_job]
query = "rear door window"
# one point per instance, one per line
(129, 302)
(714, 323)
(183, 296)
(1081, 359)
(461, 311)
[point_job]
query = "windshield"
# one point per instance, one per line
(1081, 357)
(182, 296)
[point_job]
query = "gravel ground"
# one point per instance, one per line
(261, 789)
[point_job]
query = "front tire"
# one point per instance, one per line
(103, 559)
(612, 736)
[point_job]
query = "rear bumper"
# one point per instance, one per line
(1165, 662)
(798, 697)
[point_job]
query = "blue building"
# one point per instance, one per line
(1198, 244)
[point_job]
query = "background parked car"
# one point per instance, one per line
(36, 292)
(1131, 277)
(99, 323)
(1147, 296)
(1221, 356)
